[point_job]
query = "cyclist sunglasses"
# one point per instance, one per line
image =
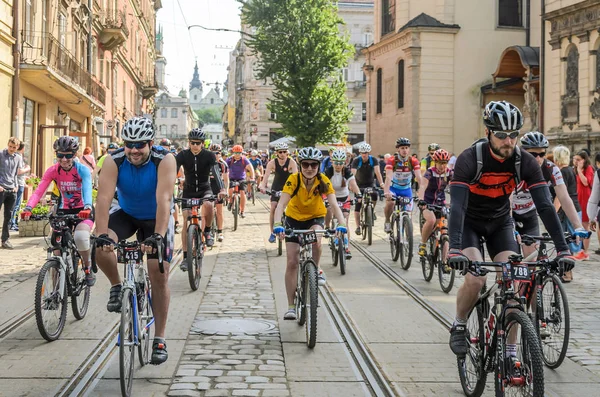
(306, 165)
(339, 163)
(282, 151)
(67, 156)
(196, 143)
(503, 135)
(534, 154)
(136, 145)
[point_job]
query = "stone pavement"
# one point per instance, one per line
(234, 346)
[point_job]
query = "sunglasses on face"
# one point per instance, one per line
(237, 153)
(503, 135)
(306, 165)
(281, 151)
(339, 163)
(217, 152)
(136, 145)
(67, 156)
(534, 154)
(196, 143)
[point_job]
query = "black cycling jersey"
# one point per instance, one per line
(223, 169)
(365, 172)
(282, 172)
(488, 198)
(197, 169)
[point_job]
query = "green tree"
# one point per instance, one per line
(209, 115)
(300, 49)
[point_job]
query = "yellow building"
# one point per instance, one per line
(7, 69)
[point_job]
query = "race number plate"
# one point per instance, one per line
(193, 202)
(310, 238)
(132, 255)
(520, 273)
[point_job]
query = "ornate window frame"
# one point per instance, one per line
(570, 99)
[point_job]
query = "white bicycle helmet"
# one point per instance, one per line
(138, 129)
(310, 153)
(254, 153)
(338, 155)
(364, 148)
(281, 146)
(502, 116)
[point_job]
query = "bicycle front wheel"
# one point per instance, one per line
(126, 343)
(236, 211)
(369, 224)
(80, 292)
(195, 256)
(445, 272)
(470, 368)
(279, 247)
(428, 261)
(50, 307)
(554, 322)
(406, 243)
(146, 316)
(341, 251)
(528, 377)
(394, 237)
(312, 293)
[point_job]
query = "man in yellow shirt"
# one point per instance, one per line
(302, 194)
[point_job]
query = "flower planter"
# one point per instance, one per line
(34, 228)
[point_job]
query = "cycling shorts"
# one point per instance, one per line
(374, 198)
(291, 223)
(499, 234)
(203, 193)
(403, 193)
(242, 185)
(275, 198)
(345, 207)
(527, 224)
(125, 226)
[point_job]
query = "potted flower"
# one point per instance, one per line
(36, 225)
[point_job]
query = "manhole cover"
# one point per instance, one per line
(233, 326)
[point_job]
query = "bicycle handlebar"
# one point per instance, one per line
(530, 240)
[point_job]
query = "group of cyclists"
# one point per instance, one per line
(135, 197)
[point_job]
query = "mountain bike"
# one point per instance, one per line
(438, 245)
(550, 311)
(488, 328)
(338, 244)
(234, 204)
(401, 232)
(136, 310)
(251, 191)
(307, 288)
(367, 215)
(195, 239)
(273, 193)
(60, 277)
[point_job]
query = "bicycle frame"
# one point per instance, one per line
(63, 225)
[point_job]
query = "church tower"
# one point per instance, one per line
(161, 61)
(195, 89)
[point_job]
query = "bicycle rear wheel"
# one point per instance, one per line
(146, 318)
(195, 256)
(312, 293)
(50, 307)
(406, 242)
(445, 272)
(470, 368)
(394, 237)
(429, 260)
(126, 343)
(279, 247)
(528, 379)
(554, 323)
(333, 249)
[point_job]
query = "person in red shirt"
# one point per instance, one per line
(585, 177)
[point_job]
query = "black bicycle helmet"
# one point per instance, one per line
(66, 144)
(502, 116)
(534, 140)
(402, 142)
(197, 134)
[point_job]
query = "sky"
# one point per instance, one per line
(183, 47)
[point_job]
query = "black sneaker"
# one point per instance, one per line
(114, 300)
(209, 239)
(159, 351)
(183, 265)
(458, 340)
(90, 277)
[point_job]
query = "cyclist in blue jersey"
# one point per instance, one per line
(143, 175)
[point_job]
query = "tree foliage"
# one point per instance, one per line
(300, 49)
(209, 115)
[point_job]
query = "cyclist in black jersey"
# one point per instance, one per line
(480, 207)
(197, 165)
(365, 169)
(214, 185)
(282, 166)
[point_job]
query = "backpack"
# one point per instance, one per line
(371, 161)
(479, 153)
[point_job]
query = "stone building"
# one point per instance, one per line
(435, 63)
(82, 70)
(174, 116)
(200, 100)
(7, 72)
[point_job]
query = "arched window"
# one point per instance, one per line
(379, 90)
(174, 129)
(163, 112)
(572, 80)
(401, 84)
(174, 113)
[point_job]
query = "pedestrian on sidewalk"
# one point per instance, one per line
(592, 207)
(585, 178)
(10, 164)
(22, 176)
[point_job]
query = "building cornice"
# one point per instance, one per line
(576, 20)
(395, 40)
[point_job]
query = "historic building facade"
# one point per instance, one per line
(84, 68)
(174, 116)
(7, 71)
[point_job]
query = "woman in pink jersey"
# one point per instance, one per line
(74, 182)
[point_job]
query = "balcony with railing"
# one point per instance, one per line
(41, 52)
(149, 87)
(114, 28)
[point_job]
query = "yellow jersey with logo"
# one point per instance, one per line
(306, 205)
